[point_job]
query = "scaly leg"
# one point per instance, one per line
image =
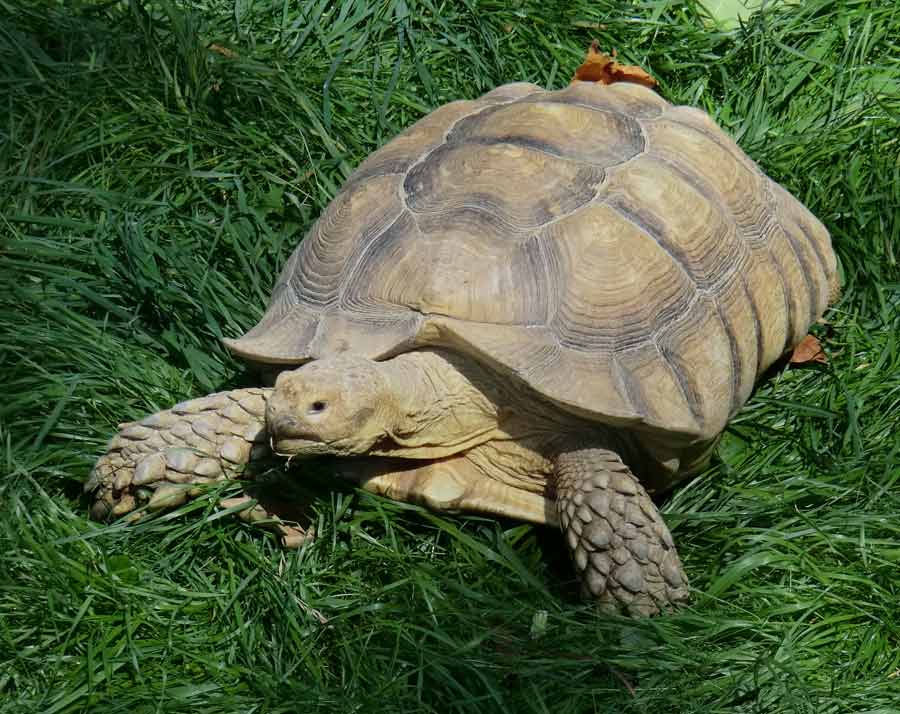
(622, 549)
(164, 458)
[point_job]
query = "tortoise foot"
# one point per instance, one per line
(622, 549)
(165, 459)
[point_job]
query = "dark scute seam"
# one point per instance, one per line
(815, 246)
(737, 360)
(714, 198)
(364, 255)
(628, 387)
(539, 287)
(788, 303)
(814, 301)
(805, 268)
(757, 325)
(392, 167)
(740, 155)
(805, 271)
(464, 126)
(773, 214)
(785, 287)
(685, 384)
(654, 231)
(444, 142)
(551, 265)
(824, 303)
(699, 183)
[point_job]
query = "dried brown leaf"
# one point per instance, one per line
(808, 350)
(603, 68)
(224, 51)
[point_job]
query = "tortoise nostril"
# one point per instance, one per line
(283, 424)
(287, 427)
(317, 407)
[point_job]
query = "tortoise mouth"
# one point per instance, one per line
(288, 436)
(299, 447)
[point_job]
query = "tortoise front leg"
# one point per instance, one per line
(157, 461)
(450, 485)
(622, 549)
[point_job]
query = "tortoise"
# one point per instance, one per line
(543, 305)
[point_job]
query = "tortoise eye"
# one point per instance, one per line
(317, 407)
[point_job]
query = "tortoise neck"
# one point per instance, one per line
(445, 403)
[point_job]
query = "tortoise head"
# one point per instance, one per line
(340, 405)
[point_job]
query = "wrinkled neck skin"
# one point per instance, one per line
(447, 404)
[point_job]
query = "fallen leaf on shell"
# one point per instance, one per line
(604, 69)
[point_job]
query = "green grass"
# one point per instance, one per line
(149, 190)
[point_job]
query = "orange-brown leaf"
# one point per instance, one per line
(224, 51)
(603, 68)
(808, 350)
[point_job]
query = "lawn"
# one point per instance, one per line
(158, 164)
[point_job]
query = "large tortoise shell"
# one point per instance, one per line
(618, 254)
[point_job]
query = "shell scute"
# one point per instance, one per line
(608, 268)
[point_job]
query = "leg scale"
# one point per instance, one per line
(622, 549)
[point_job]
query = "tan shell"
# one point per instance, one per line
(620, 255)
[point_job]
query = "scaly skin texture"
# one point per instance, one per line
(621, 547)
(158, 459)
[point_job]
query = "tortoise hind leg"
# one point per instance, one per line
(622, 549)
(453, 485)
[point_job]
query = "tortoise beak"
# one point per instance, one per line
(288, 435)
(286, 426)
(299, 447)
(286, 439)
